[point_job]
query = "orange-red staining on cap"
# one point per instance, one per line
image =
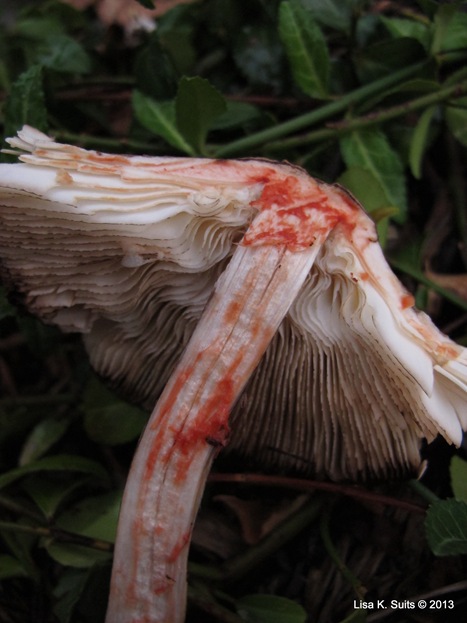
(407, 300)
(64, 178)
(296, 211)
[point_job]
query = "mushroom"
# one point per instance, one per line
(217, 287)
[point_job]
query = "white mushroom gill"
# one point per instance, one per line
(223, 286)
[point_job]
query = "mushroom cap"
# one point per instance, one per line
(127, 250)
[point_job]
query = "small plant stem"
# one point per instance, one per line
(319, 114)
(57, 533)
(417, 274)
(302, 484)
(332, 551)
(18, 509)
(458, 191)
(12, 526)
(335, 130)
(251, 558)
(423, 491)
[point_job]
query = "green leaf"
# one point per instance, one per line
(456, 35)
(177, 42)
(57, 463)
(420, 140)
(42, 437)
(63, 54)
(10, 567)
(21, 547)
(270, 609)
(399, 28)
(107, 419)
(429, 7)
(16, 420)
(92, 605)
(37, 28)
(155, 73)
(387, 56)
(458, 472)
(237, 114)
(367, 189)
(456, 118)
(446, 527)
(259, 57)
(450, 29)
(370, 150)
(159, 118)
(441, 21)
(197, 105)
(67, 592)
(95, 517)
(335, 14)
(26, 103)
(306, 48)
(49, 494)
(78, 556)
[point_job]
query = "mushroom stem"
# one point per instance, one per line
(188, 427)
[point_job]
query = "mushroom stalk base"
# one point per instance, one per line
(188, 427)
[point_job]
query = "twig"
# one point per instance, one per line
(302, 484)
(59, 534)
(338, 128)
(19, 509)
(46, 531)
(319, 114)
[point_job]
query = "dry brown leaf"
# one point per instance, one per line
(214, 533)
(455, 283)
(127, 13)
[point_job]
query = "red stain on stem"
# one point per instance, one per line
(233, 311)
(209, 426)
(179, 547)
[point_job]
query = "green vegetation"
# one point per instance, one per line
(372, 95)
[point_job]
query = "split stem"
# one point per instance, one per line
(188, 427)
